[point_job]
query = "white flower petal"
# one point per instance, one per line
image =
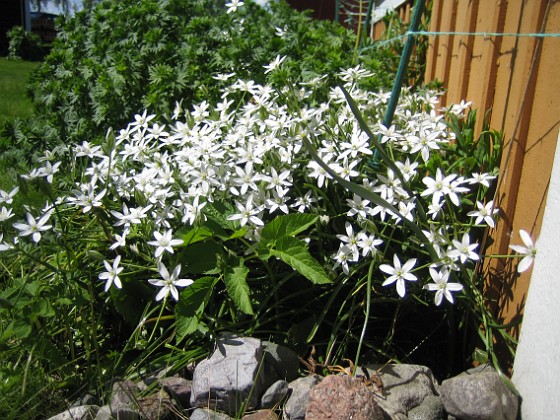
(526, 238)
(524, 264)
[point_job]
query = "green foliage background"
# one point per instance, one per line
(126, 56)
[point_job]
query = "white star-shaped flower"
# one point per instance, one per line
(464, 250)
(165, 242)
(441, 286)
(485, 212)
(170, 282)
(111, 275)
(399, 273)
(528, 251)
(34, 227)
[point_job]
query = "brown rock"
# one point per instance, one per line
(156, 406)
(261, 415)
(341, 397)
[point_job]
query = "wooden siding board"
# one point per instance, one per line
(484, 59)
(433, 41)
(443, 57)
(461, 52)
(539, 128)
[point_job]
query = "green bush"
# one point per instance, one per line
(126, 56)
(24, 45)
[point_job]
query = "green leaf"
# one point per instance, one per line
(191, 305)
(218, 212)
(201, 257)
(195, 235)
(294, 253)
(239, 233)
(44, 308)
(5, 304)
(95, 255)
(236, 283)
(480, 356)
(32, 288)
(286, 225)
(20, 327)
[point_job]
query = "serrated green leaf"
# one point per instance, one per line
(218, 212)
(201, 257)
(194, 235)
(190, 307)
(236, 283)
(286, 225)
(294, 253)
(237, 234)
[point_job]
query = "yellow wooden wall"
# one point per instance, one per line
(517, 80)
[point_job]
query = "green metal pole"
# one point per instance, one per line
(403, 64)
(337, 11)
(368, 18)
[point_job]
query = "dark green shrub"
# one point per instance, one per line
(24, 45)
(124, 56)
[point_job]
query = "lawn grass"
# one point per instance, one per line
(14, 102)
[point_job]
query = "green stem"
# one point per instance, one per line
(368, 306)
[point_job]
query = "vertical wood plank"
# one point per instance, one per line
(461, 51)
(433, 41)
(443, 58)
(484, 59)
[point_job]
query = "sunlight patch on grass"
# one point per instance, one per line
(14, 75)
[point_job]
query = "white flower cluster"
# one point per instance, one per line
(252, 156)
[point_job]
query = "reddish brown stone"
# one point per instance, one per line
(261, 415)
(341, 397)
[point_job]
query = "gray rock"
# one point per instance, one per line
(280, 363)
(297, 403)
(341, 397)
(87, 399)
(178, 388)
(404, 386)
(82, 412)
(274, 394)
(205, 414)
(479, 394)
(121, 412)
(430, 409)
(124, 393)
(231, 378)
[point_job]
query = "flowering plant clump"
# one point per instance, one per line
(254, 212)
